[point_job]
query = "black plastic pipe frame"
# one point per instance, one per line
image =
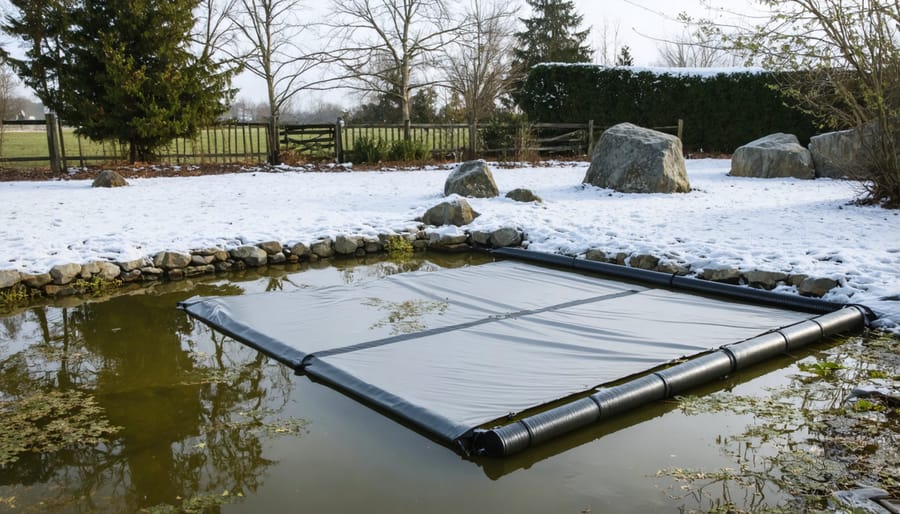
(526, 432)
(529, 431)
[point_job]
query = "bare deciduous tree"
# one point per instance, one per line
(387, 47)
(607, 45)
(272, 33)
(215, 31)
(694, 49)
(478, 66)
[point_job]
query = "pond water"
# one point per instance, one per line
(209, 425)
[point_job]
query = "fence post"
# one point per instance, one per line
(53, 142)
(680, 128)
(274, 150)
(590, 148)
(339, 140)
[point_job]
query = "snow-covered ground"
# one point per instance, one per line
(794, 226)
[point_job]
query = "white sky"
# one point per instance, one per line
(633, 22)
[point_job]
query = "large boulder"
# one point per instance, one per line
(109, 178)
(774, 156)
(471, 178)
(633, 159)
(455, 212)
(842, 154)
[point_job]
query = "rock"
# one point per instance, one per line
(152, 272)
(471, 178)
(109, 178)
(505, 237)
(596, 255)
(175, 274)
(300, 250)
(192, 271)
(322, 249)
(523, 195)
(277, 258)
(33, 281)
(59, 290)
(455, 212)
(372, 245)
(9, 278)
(271, 247)
(480, 237)
(816, 286)
(631, 159)
(774, 156)
(221, 256)
(88, 270)
(222, 265)
(252, 256)
(764, 279)
(346, 245)
(171, 260)
(841, 154)
(131, 276)
(202, 260)
(644, 261)
(129, 266)
(206, 252)
(796, 280)
(448, 242)
(673, 268)
(726, 275)
(64, 273)
(108, 270)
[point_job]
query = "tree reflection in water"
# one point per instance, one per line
(193, 406)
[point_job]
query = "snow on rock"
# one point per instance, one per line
(778, 225)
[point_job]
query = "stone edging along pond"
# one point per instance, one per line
(75, 279)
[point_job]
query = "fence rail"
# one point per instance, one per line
(255, 143)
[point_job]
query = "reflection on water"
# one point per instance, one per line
(209, 425)
(196, 410)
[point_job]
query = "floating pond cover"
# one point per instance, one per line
(458, 353)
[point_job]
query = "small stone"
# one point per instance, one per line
(480, 237)
(277, 258)
(323, 248)
(202, 260)
(9, 278)
(796, 280)
(59, 290)
(456, 212)
(596, 255)
(33, 281)
(504, 237)
(724, 275)
(620, 259)
(128, 266)
(152, 271)
(109, 178)
(523, 195)
(64, 273)
(817, 287)
(88, 270)
(131, 276)
(271, 247)
(205, 252)
(108, 270)
(764, 279)
(644, 261)
(346, 245)
(222, 266)
(171, 260)
(175, 274)
(300, 250)
(252, 256)
(221, 256)
(673, 268)
(192, 271)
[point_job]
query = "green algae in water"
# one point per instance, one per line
(806, 439)
(45, 422)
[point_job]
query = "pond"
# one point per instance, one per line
(124, 404)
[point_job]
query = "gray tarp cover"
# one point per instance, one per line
(452, 350)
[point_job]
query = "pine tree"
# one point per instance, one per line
(121, 69)
(551, 35)
(624, 58)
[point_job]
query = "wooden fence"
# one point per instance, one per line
(255, 143)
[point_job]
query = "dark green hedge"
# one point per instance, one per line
(721, 112)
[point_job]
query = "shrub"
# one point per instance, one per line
(408, 150)
(369, 149)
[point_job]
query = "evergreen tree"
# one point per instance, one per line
(120, 69)
(624, 58)
(551, 35)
